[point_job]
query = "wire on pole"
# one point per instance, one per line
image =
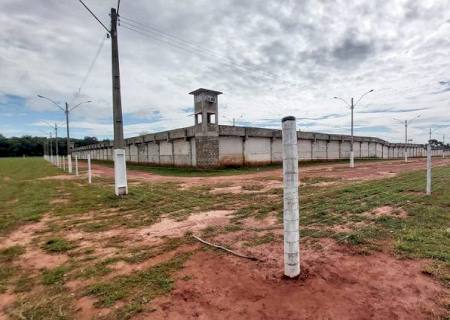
(92, 13)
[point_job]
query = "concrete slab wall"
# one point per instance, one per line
(231, 151)
(257, 150)
(165, 153)
(244, 146)
(333, 150)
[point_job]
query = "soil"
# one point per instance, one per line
(336, 281)
(387, 211)
(363, 171)
(336, 284)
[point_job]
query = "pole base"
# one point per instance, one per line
(120, 173)
(352, 159)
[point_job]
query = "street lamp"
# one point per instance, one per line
(352, 106)
(406, 122)
(66, 111)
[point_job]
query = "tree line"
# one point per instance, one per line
(34, 146)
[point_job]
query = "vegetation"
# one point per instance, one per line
(111, 234)
(34, 146)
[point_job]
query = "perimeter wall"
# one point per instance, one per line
(239, 146)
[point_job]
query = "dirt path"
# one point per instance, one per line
(363, 171)
(340, 284)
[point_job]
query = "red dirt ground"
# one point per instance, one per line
(363, 171)
(339, 284)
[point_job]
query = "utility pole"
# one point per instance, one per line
(352, 108)
(352, 153)
(120, 167)
(56, 145)
(66, 111)
(51, 149)
(406, 123)
(443, 146)
(406, 140)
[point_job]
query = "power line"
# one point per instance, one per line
(95, 17)
(91, 67)
(154, 33)
(118, 6)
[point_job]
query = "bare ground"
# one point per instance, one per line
(337, 282)
(369, 170)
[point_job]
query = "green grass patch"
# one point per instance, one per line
(138, 288)
(54, 276)
(193, 172)
(24, 197)
(57, 245)
(10, 253)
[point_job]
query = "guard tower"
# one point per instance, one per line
(206, 112)
(206, 127)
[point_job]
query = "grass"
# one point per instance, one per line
(138, 288)
(57, 245)
(55, 275)
(11, 253)
(25, 198)
(193, 172)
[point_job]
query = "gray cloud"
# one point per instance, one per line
(352, 50)
(269, 58)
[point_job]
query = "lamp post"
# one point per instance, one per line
(406, 122)
(352, 106)
(66, 111)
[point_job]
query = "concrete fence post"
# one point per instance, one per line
(69, 163)
(89, 168)
(428, 168)
(76, 166)
(64, 163)
(290, 198)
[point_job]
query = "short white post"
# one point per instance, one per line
(89, 168)
(352, 159)
(290, 198)
(76, 166)
(69, 163)
(58, 162)
(64, 163)
(428, 168)
(120, 173)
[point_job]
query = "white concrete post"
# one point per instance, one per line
(120, 172)
(69, 163)
(89, 168)
(352, 159)
(76, 166)
(58, 162)
(64, 163)
(290, 198)
(428, 168)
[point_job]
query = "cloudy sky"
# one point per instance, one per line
(269, 58)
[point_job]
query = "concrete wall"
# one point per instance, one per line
(234, 146)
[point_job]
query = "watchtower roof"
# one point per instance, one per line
(202, 90)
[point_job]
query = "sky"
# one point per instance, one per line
(269, 58)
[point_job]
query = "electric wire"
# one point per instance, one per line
(91, 66)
